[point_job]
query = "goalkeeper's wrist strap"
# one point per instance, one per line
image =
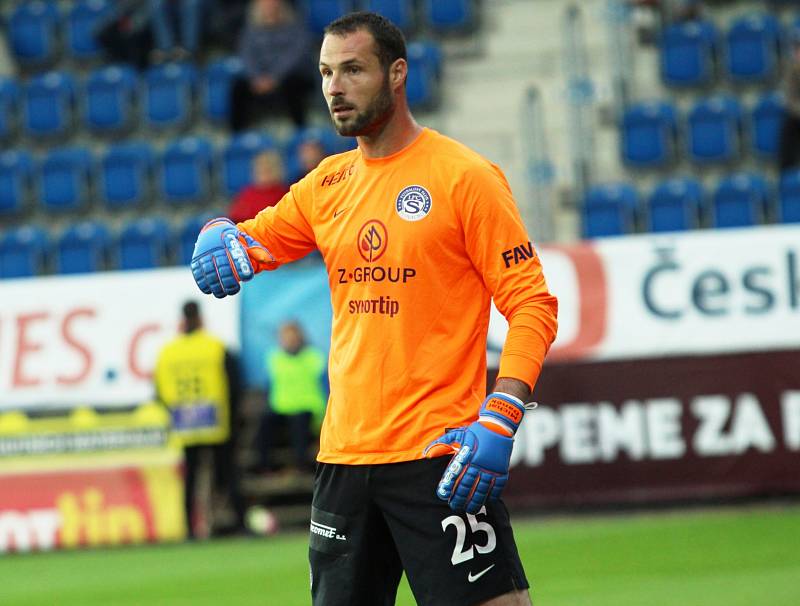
(501, 412)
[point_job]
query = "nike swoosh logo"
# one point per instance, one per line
(336, 213)
(474, 577)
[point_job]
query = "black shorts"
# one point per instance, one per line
(369, 523)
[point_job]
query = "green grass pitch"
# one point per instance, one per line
(723, 557)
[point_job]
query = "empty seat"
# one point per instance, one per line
(83, 18)
(766, 120)
(609, 210)
(675, 205)
(714, 130)
(169, 92)
(321, 12)
(9, 103)
(789, 197)
(65, 178)
(111, 95)
(16, 171)
(82, 248)
(753, 48)
(422, 83)
(32, 32)
(22, 252)
(399, 12)
(49, 105)
(649, 134)
(186, 170)
(126, 174)
(187, 235)
(219, 76)
(143, 244)
(445, 16)
(688, 53)
(740, 200)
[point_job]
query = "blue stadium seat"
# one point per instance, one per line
(789, 197)
(321, 12)
(125, 174)
(766, 120)
(649, 134)
(65, 178)
(32, 32)
(219, 76)
(186, 170)
(675, 205)
(169, 92)
(22, 252)
(111, 96)
(688, 53)
(143, 244)
(82, 248)
(16, 172)
(422, 84)
(82, 19)
(714, 130)
(609, 210)
(9, 104)
(237, 160)
(740, 200)
(399, 12)
(753, 53)
(187, 235)
(49, 105)
(445, 16)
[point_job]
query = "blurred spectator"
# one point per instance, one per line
(126, 33)
(297, 401)
(789, 147)
(275, 48)
(268, 186)
(176, 28)
(309, 153)
(198, 381)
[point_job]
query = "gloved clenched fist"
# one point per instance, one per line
(224, 256)
(478, 471)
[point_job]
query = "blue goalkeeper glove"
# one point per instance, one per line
(224, 256)
(478, 471)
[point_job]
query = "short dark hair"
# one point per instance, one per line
(191, 316)
(389, 40)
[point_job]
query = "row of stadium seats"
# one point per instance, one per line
(90, 246)
(128, 174)
(38, 29)
(693, 53)
(682, 203)
(716, 129)
(115, 98)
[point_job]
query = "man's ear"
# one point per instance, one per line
(398, 72)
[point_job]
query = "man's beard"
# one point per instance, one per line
(372, 118)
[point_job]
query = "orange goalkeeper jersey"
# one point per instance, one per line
(416, 245)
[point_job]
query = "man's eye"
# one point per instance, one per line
(353, 69)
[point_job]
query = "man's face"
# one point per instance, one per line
(355, 85)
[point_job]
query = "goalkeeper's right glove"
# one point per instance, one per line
(224, 256)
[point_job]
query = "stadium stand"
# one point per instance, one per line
(143, 244)
(740, 200)
(9, 102)
(649, 134)
(186, 171)
(766, 119)
(65, 179)
(125, 174)
(321, 12)
(216, 84)
(449, 16)
(237, 159)
(789, 197)
(753, 48)
(169, 93)
(50, 105)
(399, 12)
(33, 33)
(688, 53)
(675, 205)
(714, 130)
(82, 19)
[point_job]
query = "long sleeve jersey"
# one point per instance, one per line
(416, 244)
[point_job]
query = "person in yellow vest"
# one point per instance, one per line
(196, 378)
(295, 372)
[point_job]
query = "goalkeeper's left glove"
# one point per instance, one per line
(478, 471)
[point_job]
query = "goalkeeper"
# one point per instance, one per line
(418, 234)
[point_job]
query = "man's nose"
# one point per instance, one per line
(334, 86)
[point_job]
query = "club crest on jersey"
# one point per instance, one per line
(413, 203)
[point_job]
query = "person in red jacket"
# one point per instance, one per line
(268, 186)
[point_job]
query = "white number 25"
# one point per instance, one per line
(459, 553)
